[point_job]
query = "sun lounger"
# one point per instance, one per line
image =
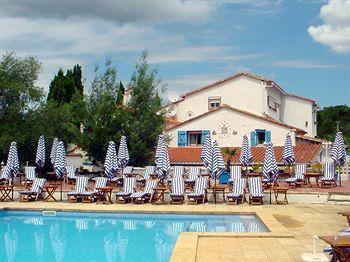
(147, 194)
(237, 194)
(81, 186)
(328, 178)
(200, 191)
(149, 170)
(193, 173)
(71, 173)
(35, 192)
(99, 182)
(177, 193)
(235, 173)
(298, 178)
(178, 171)
(255, 190)
(128, 188)
(121, 175)
(29, 173)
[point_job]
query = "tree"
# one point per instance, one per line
(64, 87)
(19, 97)
(103, 120)
(145, 123)
(327, 119)
(121, 93)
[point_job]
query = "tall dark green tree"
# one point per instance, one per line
(121, 93)
(145, 122)
(64, 88)
(329, 118)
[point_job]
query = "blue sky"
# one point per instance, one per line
(302, 45)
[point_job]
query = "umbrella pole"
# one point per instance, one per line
(215, 189)
(61, 188)
(339, 176)
(270, 188)
(12, 185)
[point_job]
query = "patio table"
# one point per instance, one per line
(309, 175)
(161, 191)
(104, 195)
(345, 214)
(220, 188)
(280, 189)
(340, 246)
(50, 190)
(6, 192)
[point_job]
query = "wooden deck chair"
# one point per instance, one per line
(255, 190)
(90, 195)
(193, 173)
(127, 170)
(235, 173)
(71, 174)
(237, 194)
(146, 175)
(147, 194)
(3, 177)
(328, 170)
(81, 186)
(30, 174)
(34, 193)
(178, 171)
(177, 191)
(298, 178)
(128, 188)
(200, 191)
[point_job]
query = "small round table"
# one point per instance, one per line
(220, 188)
(50, 190)
(309, 175)
(104, 195)
(280, 190)
(161, 191)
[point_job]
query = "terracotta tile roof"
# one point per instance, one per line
(265, 118)
(191, 155)
(169, 123)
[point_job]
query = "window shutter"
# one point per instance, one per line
(267, 136)
(252, 138)
(182, 138)
(204, 133)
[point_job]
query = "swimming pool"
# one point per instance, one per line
(70, 236)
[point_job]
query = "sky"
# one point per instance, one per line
(304, 45)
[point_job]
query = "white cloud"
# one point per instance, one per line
(335, 32)
(303, 64)
(116, 11)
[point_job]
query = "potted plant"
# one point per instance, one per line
(228, 153)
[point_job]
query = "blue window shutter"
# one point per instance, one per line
(267, 136)
(204, 133)
(252, 138)
(182, 138)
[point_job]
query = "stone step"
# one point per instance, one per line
(339, 196)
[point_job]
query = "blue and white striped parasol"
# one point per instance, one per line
(288, 151)
(163, 161)
(218, 161)
(53, 150)
(246, 156)
(123, 153)
(111, 162)
(60, 162)
(270, 169)
(40, 152)
(338, 152)
(207, 154)
(12, 164)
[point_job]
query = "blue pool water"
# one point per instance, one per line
(68, 236)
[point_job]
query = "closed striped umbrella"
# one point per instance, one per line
(338, 152)
(159, 146)
(53, 150)
(246, 156)
(270, 168)
(288, 151)
(40, 152)
(163, 161)
(218, 161)
(111, 162)
(206, 154)
(123, 153)
(60, 162)
(12, 164)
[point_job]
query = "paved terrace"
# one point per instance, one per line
(292, 227)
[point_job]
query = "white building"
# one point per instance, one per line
(240, 104)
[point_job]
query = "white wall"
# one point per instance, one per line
(297, 111)
(241, 123)
(278, 97)
(242, 92)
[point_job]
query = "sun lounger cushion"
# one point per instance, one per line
(300, 170)
(149, 189)
(36, 188)
(71, 172)
(128, 187)
(199, 187)
(149, 170)
(178, 171)
(235, 173)
(193, 173)
(255, 187)
(81, 185)
(238, 188)
(328, 171)
(29, 172)
(177, 187)
(99, 182)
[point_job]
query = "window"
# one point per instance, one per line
(306, 123)
(272, 103)
(260, 136)
(214, 102)
(192, 138)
